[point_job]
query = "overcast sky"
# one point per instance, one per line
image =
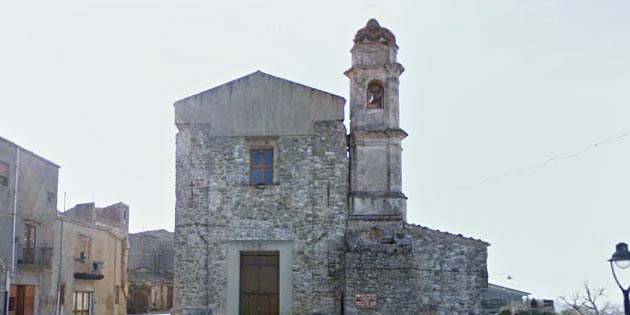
(492, 90)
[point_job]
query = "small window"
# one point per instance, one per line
(375, 95)
(83, 250)
(4, 174)
(51, 198)
(261, 166)
(62, 294)
(116, 295)
(28, 249)
(82, 303)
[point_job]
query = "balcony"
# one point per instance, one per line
(37, 256)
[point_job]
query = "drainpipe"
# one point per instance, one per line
(15, 203)
(60, 280)
(4, 293)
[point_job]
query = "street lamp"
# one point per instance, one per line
(621, 260)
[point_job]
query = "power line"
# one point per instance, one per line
(542, 163)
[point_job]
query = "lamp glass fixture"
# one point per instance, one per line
(621, 256)
(623, 264)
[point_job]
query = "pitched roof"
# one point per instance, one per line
(256, 74)
(510, 290)
(259, 104)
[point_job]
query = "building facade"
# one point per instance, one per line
(281, 211)
(151, 256)
(72, 262)
(94, 260)
(28, 218)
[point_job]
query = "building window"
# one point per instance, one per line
(82, 303)
(28, 251)
(51, 199)
(62, 294)
(83, 250)
(116, 295)
(375, 95)
(261, 166)
(4, 174)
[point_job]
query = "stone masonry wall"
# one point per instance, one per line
(380, 262)
(412, 270)
(452, 269)
(306, 205)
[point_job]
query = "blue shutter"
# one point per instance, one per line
(255, 176)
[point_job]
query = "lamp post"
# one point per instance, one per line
(621, 260)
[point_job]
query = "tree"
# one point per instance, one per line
(533, 304)
(589, 303)
(138, 301)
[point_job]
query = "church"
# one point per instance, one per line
(281, 210)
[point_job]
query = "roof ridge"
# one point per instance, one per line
(259, 72)
(448, 233)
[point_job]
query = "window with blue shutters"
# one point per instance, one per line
(261, 166)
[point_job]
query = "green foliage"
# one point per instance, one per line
(533, 303)
(138, 300)
(524, 309)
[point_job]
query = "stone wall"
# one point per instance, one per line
(217, 208)
(452, 270)
(152, 250)
(380, 262)
(413, 270)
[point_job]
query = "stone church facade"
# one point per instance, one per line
(281, 211)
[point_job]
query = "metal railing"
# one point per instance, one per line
(34, 255)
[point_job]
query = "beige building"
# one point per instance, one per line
(94, 260)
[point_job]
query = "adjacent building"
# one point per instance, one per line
(498, 298)
(151, 255)
(94, 260)
(281, 211)
(28, 219)
(73, 262)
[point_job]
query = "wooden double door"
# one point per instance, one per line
(259, 283)
(21, 301)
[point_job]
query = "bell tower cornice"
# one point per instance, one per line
(384, 134)
(394, 70)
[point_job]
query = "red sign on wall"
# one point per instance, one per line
(365, 300)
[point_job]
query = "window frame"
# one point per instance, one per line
(260, 166)
(29, 237)
(83, 310)
(4, 177)
(84, 248)
(62, 294)
(116, 294)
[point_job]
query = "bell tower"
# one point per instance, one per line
(375, 135)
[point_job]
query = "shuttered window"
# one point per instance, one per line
(82, 303)
(4, 174)
(261, 166)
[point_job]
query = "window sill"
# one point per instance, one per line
(261, 186)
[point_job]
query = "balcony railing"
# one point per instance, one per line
(34, 255)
